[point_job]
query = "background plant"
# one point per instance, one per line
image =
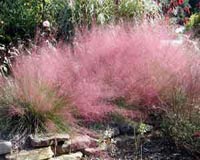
(177, 10)
(19, 19)
(181, 122)
(182, 118)
(195, 4)
(194, 21)
(130, 9)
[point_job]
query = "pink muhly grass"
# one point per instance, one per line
(36, 88)
(134, 64)
(106, 64)
(15, 111)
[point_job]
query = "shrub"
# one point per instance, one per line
(151, 9)
(65, 23)
(64, 15)
(19, 19)
(52, 9)
(106, 12)
(84, 13)
(181, 122)
(177, 10)
(130, 9)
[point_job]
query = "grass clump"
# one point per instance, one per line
(181, 121)
(32, 109)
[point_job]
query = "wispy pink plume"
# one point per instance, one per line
(109, 63)
(134, 64)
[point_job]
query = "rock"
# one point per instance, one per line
(72, 156)
(5, 147)
(18, 142)
(36, 154)
(47, 140)
(78, 143)
(111, 132)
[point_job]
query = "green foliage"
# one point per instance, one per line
(181, 122)
(81, 14)
(65, 23)
(106, 12)
(85, 11)
(21, 18)
(52, 9)
(130, 9)
(182, 130)
(194, 21)
(18, 19)
(121, 102)
(151, 9)
(144, 128)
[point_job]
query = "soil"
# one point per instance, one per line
(152, 148)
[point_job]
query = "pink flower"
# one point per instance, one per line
(46, 24)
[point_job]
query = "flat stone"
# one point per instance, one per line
(72, 156)
(78, 143)
(36, 154)
(47, 140)
(5, 147)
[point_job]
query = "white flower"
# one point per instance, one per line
(46, 24)
(180, 30)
